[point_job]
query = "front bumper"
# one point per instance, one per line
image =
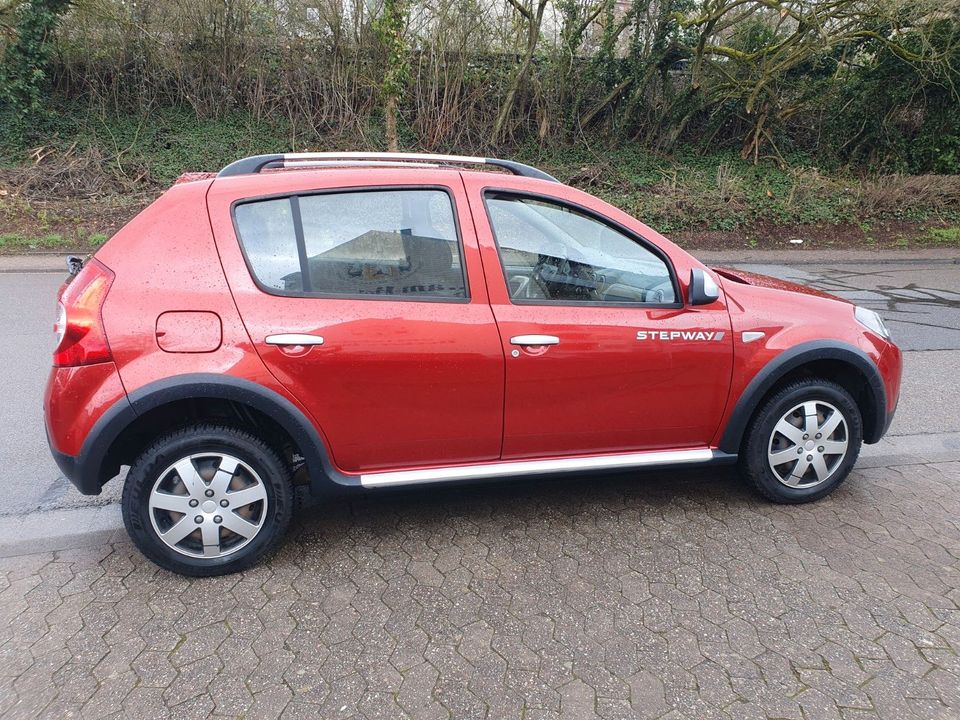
(891, 370)
(887, 422)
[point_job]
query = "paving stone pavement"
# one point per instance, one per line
(656, 595)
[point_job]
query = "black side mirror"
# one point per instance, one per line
(703, 288)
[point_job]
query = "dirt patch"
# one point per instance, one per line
(66, 200)
(79, 175)
(887, 235)
(30, 224)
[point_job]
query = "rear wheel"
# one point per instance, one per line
(207, 500)
(803, 442)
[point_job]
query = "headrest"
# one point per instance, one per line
(428, 255)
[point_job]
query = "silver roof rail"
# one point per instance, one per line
(256, 163)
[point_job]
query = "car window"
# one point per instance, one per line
(386, 242)
(554, 253)
(269, 240)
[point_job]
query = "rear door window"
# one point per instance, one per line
(396, 243)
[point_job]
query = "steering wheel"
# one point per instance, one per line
(660, 292)
(527, 288)
(536, 276)
(571, 280)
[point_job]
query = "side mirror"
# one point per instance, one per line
(703, 288)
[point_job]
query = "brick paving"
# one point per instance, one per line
(669, 595)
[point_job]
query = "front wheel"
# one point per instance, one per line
(207, 500)
(803, 442)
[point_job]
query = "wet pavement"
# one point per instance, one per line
(635, 596)
(920, 302)
(638, 595)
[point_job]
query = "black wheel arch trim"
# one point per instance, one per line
(88, 469)
(875, 417)
(94, 466)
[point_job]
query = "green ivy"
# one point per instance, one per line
(389, 28)
(24, 73)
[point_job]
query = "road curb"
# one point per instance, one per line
(898, 450)
(57, 261)
(48, 531)
(937, 256)
(34, 263)
(60, 530)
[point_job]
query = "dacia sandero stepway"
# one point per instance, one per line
(373, 320)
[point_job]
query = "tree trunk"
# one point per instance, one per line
(534, 20)
(390, 118)
(507, 106)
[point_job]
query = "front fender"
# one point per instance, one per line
(875, 400)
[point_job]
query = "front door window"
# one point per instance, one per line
(554, 253)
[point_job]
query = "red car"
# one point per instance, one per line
(373, 320)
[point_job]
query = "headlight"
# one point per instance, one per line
(871, 321)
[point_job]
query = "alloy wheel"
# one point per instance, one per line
(808, 444)
(208, 505)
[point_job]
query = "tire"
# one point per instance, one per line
(783, 425)
(209, 484)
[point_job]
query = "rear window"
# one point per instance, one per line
(398, 243)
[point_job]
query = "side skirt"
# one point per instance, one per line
(526, 468)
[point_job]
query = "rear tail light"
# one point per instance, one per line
(79, 327)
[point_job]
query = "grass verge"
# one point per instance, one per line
(79, 175)
(11, 243)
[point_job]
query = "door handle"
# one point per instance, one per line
(534, 340)
(293, 339)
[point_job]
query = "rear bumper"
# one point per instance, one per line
(77, 403)
(73, 467)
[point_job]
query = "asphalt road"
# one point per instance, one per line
(920, 303)
(675, 595)
(919, 300)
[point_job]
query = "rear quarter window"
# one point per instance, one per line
(269, 240)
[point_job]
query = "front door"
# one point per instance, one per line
(602, 355)
(367, 305)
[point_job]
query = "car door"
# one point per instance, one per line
(602, 354)
(368, 306)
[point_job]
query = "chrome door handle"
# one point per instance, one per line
(534, 340)
(293, 339)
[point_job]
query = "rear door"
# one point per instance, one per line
(367, 302)
(602, 354)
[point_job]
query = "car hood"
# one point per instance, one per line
(758, 280)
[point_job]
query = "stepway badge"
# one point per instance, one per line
(675, 335)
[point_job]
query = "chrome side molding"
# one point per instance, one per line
(751, 336)
(539, 467)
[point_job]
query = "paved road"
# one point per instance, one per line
(920, 301)
(29, 479)
(663, 595)
(671, 596)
